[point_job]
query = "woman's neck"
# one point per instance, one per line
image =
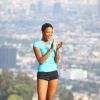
(45, 41)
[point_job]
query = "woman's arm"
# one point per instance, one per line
(57, 56)
(41, 59)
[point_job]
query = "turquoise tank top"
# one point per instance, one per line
(49, 64)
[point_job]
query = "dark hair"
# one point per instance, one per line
(46, 25)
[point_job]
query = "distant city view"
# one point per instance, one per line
(75, 22)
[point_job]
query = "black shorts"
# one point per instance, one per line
(47, 75)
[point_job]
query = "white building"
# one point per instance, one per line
(73, 74)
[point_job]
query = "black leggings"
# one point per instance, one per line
(47, 75)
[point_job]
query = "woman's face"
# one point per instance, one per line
(47, 34)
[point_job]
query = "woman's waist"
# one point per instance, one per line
(47, 67)
(48, 64)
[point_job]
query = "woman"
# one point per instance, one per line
(48, 56)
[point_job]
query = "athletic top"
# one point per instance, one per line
(49, 64)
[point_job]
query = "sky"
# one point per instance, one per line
(68, 1)
(51, 1)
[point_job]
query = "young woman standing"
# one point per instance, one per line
(48, 55)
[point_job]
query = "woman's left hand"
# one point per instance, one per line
(59, 45)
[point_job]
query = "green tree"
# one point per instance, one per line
(15, 97)
(64, 94)
(20, 85)
(24, 90)
(6, 80)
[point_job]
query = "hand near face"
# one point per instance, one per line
(59, 45)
